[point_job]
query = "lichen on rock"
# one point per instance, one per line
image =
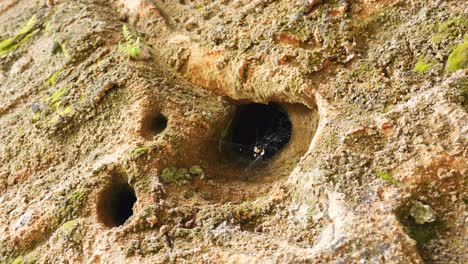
(422, 213)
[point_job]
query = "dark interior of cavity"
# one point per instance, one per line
(115, 204)
(257, 132)
(158, 123)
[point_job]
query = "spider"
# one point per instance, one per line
(257, 133)
(265, 148)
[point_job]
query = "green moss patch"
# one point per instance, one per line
(70, 231)
(72, 206)
(68, 227)
(137, 152)
(25, 33)
(458, 59)
(29, 25)
(388, 178)
(54, 98)
(17, 260)
(197, 171)
(181, 176)
(451, 28)
(422, 66)
(53, 106)
(53, 78)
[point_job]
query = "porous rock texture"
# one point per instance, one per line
(375, 171)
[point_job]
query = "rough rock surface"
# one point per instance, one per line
(375, 171)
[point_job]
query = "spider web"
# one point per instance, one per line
(265, 146)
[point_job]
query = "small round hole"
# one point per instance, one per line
(257, 132)
(158, 124)
(115, 204)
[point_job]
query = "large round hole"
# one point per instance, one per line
(257, 132)
(115, 204)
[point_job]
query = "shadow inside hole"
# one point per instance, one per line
(256, 133)
(115, 204)
(153, 125)
(424, 233)
(158, 124)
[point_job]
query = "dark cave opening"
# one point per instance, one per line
(115, 204)
(257, 132)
